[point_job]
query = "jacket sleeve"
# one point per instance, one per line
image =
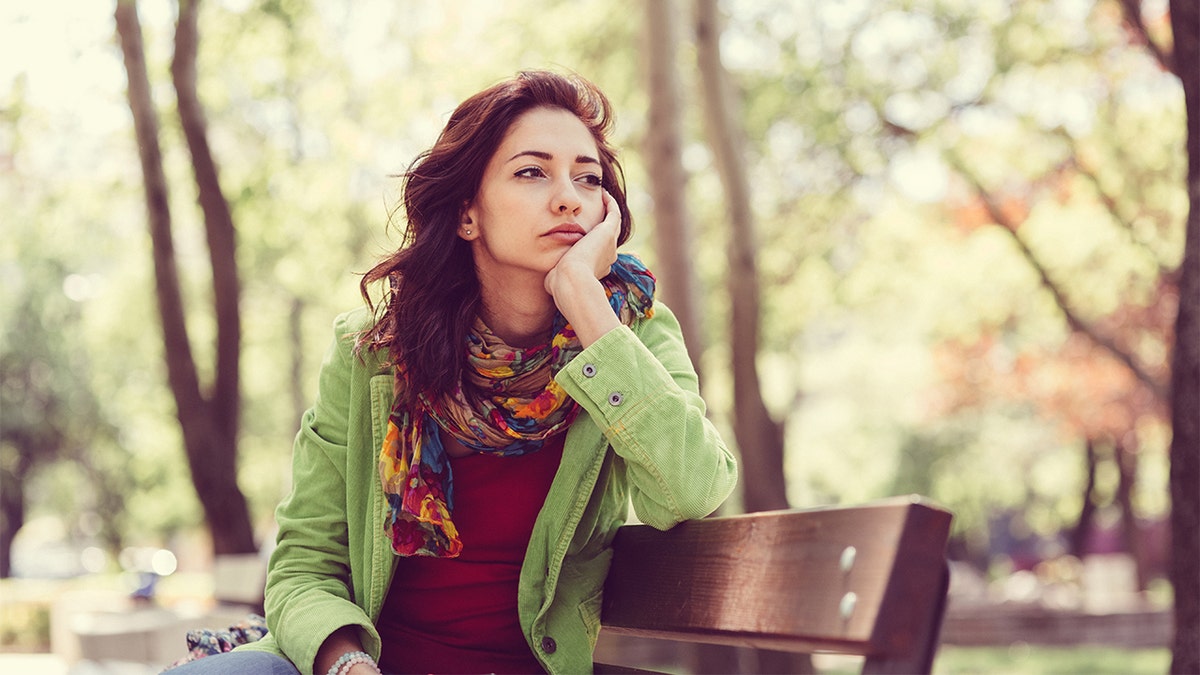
(642, 391)
(308, 594)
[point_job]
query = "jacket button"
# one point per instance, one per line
(549, 645)
(589, 370)
(616, 399)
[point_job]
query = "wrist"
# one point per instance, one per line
(342, 641)
(581, 299)
(354, 663)
(566, 280)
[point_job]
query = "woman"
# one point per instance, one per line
(475, 444)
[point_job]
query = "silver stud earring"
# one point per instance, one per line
(468, 233)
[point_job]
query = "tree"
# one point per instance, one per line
(1070, 130)
(759, 436)
(1185, 365)
(1118, 336)
(1105, 387)
(40, 407)
(1120, 331)
(208, 420)
(662, 152)
(50, 415)
(1100, 312)
(58, 444)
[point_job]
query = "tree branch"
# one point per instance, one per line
(1076, 322)
(181, 368)
(1132, 10)
(218, 222)
(1110, 202)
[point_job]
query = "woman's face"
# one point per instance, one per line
(540, 193)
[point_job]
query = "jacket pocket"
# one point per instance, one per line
(584, 579)
(589, 612)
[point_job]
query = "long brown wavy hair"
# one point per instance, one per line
(431, 295)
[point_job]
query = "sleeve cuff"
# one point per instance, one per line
(614, 377)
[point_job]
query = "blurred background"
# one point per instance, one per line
(918, 246)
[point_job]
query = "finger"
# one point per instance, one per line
(612, 213)
(612, 210)
(610, 203)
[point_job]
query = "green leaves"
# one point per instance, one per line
(880, 263)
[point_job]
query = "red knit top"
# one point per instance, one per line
(459, 615)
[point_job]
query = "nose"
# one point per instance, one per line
(566, 198)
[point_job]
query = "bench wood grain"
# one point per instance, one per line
(869, 580)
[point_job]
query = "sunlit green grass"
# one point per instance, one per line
(1022, 659)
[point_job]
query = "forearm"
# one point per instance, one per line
(642, 394)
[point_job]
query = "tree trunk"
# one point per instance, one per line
(12, 507)
(214, 466)
(208, 425)
(1185, 366)
(759, 437)
(1131, 539)
(673, 231)
(218, 222)
(1087, 510)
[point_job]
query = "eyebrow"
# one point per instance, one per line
(579, 159)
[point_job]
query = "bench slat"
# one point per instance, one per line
(776, 580)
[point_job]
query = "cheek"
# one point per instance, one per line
(593, 210)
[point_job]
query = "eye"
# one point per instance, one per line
(591, 179)
(531, 172)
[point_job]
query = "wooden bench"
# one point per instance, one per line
(867, 580)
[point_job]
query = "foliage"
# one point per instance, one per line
(931, 355)
(25, 627)
(907, 341)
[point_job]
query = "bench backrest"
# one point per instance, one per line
(869, 580)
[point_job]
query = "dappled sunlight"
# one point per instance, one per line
(967, 225)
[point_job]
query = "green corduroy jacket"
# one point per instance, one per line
(642, 437)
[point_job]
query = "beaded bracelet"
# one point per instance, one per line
(351, 659)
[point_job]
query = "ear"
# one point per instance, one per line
(468, 228)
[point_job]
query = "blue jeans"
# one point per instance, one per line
(238, 663)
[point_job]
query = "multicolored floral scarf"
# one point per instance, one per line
(507, 404)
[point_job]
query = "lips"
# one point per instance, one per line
(567, 232)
